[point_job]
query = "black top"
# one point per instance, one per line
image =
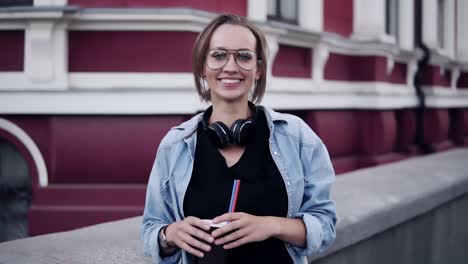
(262, 191)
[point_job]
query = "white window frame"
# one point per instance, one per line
(310, 13)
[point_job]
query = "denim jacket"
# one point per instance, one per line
(300, 156)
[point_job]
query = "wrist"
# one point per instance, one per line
(170, 242)
(274, 225)
(164, 242)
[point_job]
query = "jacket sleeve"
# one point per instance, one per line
(158, 212)
(317, 209)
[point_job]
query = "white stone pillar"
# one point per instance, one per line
(257, 10)
(406, 24)
(462, 29)
(429, 23)
(310, 15)
(50, 2)
(368, 19)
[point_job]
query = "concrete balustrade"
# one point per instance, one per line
(413, 211)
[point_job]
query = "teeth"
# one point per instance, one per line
(230, 80)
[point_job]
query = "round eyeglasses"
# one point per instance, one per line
(218, 58)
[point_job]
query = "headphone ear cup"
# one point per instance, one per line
(242, 130)
(219, 134)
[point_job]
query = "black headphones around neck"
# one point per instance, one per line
(240, 133)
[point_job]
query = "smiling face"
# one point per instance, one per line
(231, 83)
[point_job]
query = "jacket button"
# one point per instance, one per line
(275, 152)
(288, 183)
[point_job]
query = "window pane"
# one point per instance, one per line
(289, 9)
(4, 3)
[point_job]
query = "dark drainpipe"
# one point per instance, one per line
(418, 79)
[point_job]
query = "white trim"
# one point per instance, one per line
(257, 10)
(429, 23)
(310, 14)
(50, 2)
(32, 148)
(124, 80)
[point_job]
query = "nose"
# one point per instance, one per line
(231, 64)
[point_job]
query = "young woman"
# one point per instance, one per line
(283, 210)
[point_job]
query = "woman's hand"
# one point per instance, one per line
(184, 234)
(243, 228)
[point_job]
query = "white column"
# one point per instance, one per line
(449, 30)
(310, 14)
(257, 10)
(429, 23)
(368, 19)
(45, 59)
(462, 29)
(406, 24)
(50, 2)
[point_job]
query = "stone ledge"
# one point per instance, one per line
(369, 201)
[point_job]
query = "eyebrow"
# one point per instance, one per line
(223, 48)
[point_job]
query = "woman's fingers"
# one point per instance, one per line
(193, 242)
(191, 250)
(193, 231)
(232, 236)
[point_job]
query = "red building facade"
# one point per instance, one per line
(88, 88)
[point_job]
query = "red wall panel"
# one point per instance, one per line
(81, 149)
(11, 50)
(398, 75)
(436, 129)
(342, 67)
(238, 7)
(130, 51)
(433, 77)
(463, 80)
(338, 16)
(378, 132)
(354, 68)
(293, 62)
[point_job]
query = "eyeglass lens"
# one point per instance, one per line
(218, 58)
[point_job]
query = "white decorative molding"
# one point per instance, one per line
(319, 58)
(45, 58)
(273, 47)
(454, 78)
(389, 65)
(130, 81)
(257, 10)
(31, 147)
(411, 69)
(310, 15)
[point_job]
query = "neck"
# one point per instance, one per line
(228, 112)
